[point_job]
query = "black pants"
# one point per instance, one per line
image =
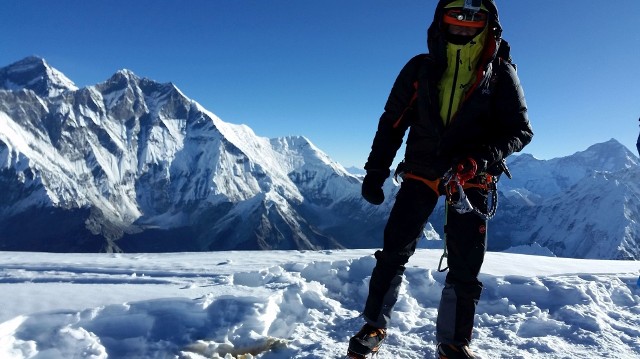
(466, 245)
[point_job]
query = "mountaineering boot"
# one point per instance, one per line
(450, 351)
(366, 341)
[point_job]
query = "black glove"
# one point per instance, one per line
(372, 186)
(480, 156)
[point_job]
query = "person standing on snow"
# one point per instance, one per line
(466, 112)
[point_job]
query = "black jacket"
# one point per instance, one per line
(490, 124)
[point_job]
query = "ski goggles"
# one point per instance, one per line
(463, 17)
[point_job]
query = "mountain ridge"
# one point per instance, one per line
(150, 158)
(130, 164)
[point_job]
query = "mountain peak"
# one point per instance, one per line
(119, 81)
(128, 74)
(34, 73)
(607, 146)
(31, 61)
(609, 156)
(124, 77)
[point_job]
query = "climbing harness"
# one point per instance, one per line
(455, 181)
(453, 185)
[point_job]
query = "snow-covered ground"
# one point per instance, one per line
(294, 304)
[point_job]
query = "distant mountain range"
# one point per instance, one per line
(134, 165)
(586, 205)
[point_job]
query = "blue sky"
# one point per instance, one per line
(323, 69)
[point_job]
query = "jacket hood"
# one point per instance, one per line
(436, 40)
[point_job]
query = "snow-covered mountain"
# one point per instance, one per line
(131, 164)
(586, 205)
(134, 165)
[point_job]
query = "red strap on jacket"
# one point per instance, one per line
(413, 99)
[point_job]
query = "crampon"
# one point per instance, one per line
(373, 354)
(366, 343)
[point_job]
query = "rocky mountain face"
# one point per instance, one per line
(134, 165)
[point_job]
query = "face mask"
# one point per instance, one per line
(458, 39)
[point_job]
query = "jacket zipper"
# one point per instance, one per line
(454, 85)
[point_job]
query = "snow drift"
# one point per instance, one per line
(296, 304)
